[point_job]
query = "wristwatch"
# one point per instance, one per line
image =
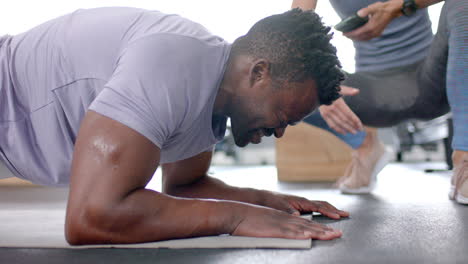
(409, 7)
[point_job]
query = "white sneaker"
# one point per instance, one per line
(459, 182)
(361, 175)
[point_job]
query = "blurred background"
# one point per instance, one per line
(410, 141)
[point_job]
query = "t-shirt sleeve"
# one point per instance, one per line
(143, 92)
(210, 149)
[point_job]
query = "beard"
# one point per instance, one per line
(240, 133)
(245, 123)
(242, 137)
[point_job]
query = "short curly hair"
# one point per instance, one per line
(297, 44)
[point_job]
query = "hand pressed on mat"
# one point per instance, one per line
(187, 178)
(126, 212)
(286, 223)
(266, 222)
(296, 205)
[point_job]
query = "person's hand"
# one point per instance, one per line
(339, 116)
(380, 14)
(260, 221)
(296, 205)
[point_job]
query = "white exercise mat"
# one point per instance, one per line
(32, 217)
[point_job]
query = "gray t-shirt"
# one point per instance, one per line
(404, 41)
(155, 73)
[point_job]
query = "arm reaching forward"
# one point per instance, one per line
(108, 201)
(188, 178)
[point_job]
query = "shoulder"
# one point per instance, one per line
(173, 59)
(175, 46)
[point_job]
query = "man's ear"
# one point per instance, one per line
(259, 71)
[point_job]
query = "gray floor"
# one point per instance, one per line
(408, 219)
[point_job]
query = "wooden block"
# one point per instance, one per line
(16, 182)
(308, 153)
(7, 178)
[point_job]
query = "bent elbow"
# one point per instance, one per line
(84, 227)
(73, 234)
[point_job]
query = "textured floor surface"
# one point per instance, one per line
(408, 219)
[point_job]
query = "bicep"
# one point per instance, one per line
(110, 160)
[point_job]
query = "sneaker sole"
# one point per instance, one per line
(459, 198)
(452, 192)
(384, 159)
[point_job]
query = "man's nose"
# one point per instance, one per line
(279, 132)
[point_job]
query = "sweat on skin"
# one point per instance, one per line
(101, 97)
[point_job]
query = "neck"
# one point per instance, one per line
(232, 79)
(221, 105)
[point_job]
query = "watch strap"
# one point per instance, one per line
(409, 7)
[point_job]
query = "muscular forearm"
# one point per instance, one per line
(145, 215)
(209, 187)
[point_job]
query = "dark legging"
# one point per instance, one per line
(424, 90)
